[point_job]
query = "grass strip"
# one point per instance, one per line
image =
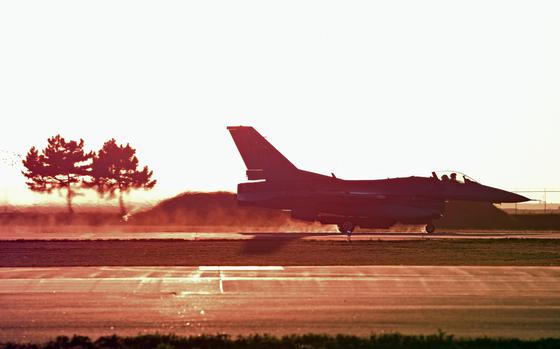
(307, 341)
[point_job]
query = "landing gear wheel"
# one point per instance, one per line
(346, 228)
(430, 228)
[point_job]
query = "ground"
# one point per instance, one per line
(467, 283)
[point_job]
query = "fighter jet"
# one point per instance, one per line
(276, 183)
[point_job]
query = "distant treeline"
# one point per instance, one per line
(308, 341)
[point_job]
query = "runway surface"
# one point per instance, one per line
(39, 303)
(18, 234)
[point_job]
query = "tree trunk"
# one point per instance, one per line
(121, 204)
(69, 200)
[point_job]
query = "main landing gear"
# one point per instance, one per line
(430, 228)
(347, 228)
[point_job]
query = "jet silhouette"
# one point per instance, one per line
(277, 183)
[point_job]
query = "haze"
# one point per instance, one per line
(361, 89)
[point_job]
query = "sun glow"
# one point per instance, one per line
(365, 90)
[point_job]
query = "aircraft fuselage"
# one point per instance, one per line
(277, 183)
(368, 203)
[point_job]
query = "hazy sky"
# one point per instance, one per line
(361, 88)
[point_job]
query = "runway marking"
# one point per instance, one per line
(221, 269)
(241, 268)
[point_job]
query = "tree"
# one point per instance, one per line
(115, 168)
(60, 166)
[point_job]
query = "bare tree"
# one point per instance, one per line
(115, 169)
(60, 166)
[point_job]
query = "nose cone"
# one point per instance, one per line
(496, 195)
(481, 193)
(520, 198)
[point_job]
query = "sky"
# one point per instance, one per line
(363, 89)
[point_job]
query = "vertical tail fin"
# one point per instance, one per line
(262, 160)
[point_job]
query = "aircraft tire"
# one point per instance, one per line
(430, 228)
(346, 227)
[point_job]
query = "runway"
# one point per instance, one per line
(40, 303)
(108, 234)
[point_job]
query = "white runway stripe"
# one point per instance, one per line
(241, 268)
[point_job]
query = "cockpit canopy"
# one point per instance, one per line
(453, 177)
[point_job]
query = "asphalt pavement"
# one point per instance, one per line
(107, 234)
(40, 303)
